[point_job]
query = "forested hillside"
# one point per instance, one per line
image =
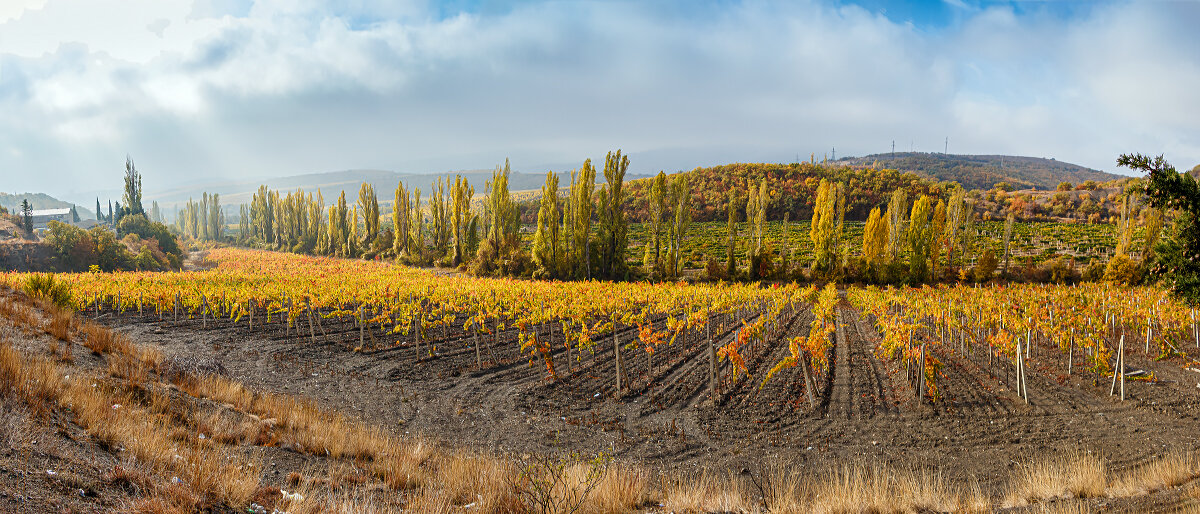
(792, 189)
(984, 171)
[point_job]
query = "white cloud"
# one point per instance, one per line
(287, 86)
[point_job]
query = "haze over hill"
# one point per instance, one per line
(333, 182)
(12, 202)
(984, 171)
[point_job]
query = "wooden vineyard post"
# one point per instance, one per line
(712, 363)
(312, 329)
(1195, 332)
(251, 304)
(1024, 381)
(287, 316)
(203, 312)
(139, 304)
(1071, 352)
(1028, 335)
(617, 355)
(809, 382)
(361, 326)
(176, 307)
(478, 357)
(1119, 369)
(1148, 331)
(921, 373)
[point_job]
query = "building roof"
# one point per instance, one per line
(51, 212)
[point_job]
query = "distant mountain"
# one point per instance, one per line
(332, 183)
(39, 201)
(984, 171)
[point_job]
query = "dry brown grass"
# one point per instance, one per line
(1170, 470)
(1069, 475)
(704, 492)
(21, 314)
(60, 323)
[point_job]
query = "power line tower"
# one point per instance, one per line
(946, 150)
(893, 148)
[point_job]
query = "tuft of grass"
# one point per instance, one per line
(60, 323)
(1170, 470)
(704, 492)
(1069, 475)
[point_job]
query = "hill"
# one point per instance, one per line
(984, 171)
(793, 189)
(12, 202)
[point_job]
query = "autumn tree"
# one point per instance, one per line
(583, 184)
(920, 234)
(897, 210)
(657, 203)
(401, 220)
(823, 231)
(613, 225)
(461, 193)
(545, 240)
(439, 213)
(875, 242)
(368, 208)
(133, 190)
(731, 215)
(682, 213)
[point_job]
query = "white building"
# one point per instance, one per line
(42, 217)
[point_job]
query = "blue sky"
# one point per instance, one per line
(199, 90)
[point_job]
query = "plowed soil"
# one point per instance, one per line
(482, 393)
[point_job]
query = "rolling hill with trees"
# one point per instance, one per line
(12, 202)
(984, 171)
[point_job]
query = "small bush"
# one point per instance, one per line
(43, 285)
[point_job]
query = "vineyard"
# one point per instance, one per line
(674, 374)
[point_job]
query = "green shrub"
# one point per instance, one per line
(43, 285)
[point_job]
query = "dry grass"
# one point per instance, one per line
(1171, 470)
(1069, 475)
(704, 492)
(60, 323)
(622, 489)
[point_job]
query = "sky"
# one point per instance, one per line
(210, 90)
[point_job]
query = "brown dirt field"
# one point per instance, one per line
(865, 412)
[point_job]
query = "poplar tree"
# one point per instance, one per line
(545, 240)
(937, 232)
(439, 213)
(730, 236)
(1008, 228)
(823, 230)
(462, 192)
(416, 244)
(401, 220)
(614, 227)
(920, 232)
(133, 189)
(681, 195)
(368, 206)
(652, 258)
(581, 214)
(875, 241)
(897, 209)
